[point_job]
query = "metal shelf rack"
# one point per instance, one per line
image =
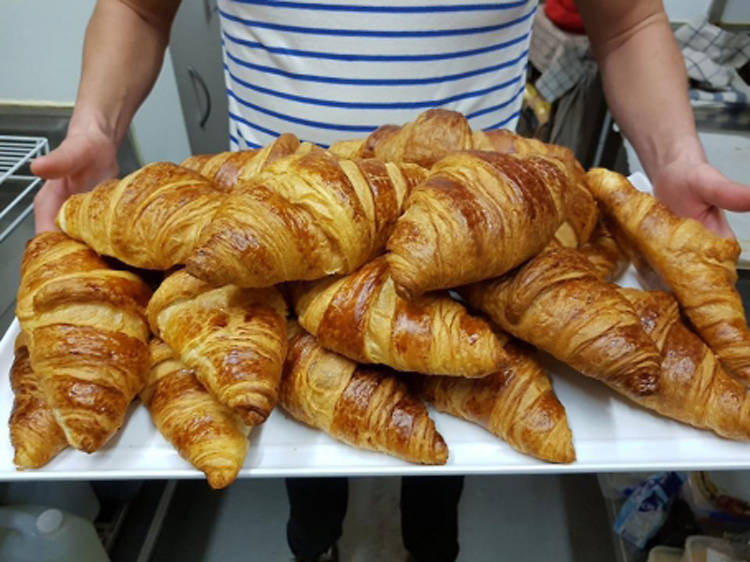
(15, 153)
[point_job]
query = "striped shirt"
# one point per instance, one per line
(328, 71)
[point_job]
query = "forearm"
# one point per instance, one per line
(646, 87)
(123, 53)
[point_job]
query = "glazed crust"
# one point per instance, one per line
(698, 265)
(557, 303)
(228, 169)
(478, 215)
(234, 339)
(364, 407)
(306, 216)
(87, 335)
(362, 317)
(152, 218)
(693, 387)
(516, 403)
(34, 433)
(205, 433)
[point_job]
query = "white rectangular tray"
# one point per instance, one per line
(609, 434)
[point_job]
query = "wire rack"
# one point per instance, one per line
(15, 153)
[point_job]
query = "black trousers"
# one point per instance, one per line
(429, 515)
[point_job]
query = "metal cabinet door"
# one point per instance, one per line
(195, 46)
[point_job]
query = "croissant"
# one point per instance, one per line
(364, 407)
(580, 208)
(362, 317)
(229, 168)
(557, 303)
(516, 403)
(205, 433)
(438, 132)
(87, 335)
(699, 266)
(693, 387)
(306, 216)
(478, 215)
(433, 135)
(603, 251)
(151, 219)
(34, 433)
(234, 339)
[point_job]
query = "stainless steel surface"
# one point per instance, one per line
(196, 77)
(716, 11)
(17, 189)
(15, 153)
(195, 46)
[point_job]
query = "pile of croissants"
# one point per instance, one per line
(425, 262)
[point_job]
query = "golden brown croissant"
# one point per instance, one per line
(234, 339)
(150, 219)
(605, 254)
(699, 266)
(438, 132)
(580, 208)
(516, 403)
(205, 433)
(87, 335)
(557, 303)
(229, 168)
(364, 407)
(693, 387)
(34, 433)
(362, 317)
(306, 216)
(432, 135)
(478, 215)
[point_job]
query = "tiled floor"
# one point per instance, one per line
(502, 518)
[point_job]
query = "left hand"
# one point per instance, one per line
(700, 191)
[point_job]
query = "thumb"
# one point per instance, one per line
(72, 155)
(46, 204)
(724, 193)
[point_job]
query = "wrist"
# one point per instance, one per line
(687, 148)
(683, 150)
(86, 121)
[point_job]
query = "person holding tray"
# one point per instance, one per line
(328, 71)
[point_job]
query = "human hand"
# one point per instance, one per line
(82, 160)
(700, 191)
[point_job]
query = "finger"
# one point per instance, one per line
(69, 157)
(46, 204)
(725, 193)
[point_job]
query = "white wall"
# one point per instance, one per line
(40, 58)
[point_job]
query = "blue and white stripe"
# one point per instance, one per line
(333, 70)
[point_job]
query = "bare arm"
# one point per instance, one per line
(123, 53)
(646, 86)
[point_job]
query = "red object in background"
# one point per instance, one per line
(564, 15)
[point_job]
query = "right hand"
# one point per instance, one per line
(82, 160)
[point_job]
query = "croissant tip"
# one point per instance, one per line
(251, 415)
(567, 455)
(440, 450)
(86, 443)
(220, 478)
(23, 461)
